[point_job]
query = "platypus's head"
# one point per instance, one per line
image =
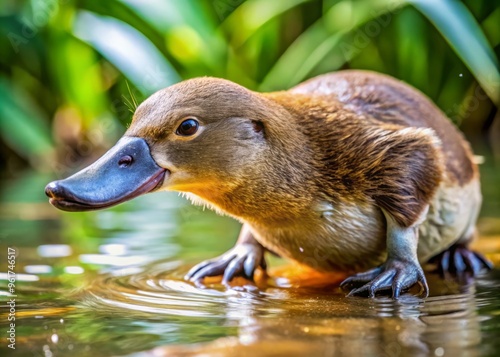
(204, 136)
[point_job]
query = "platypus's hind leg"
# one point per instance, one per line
(242, 260)
(459, 259)
(402, 269)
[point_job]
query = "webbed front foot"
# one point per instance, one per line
(459, 259)
(396, 275)
(242, 260)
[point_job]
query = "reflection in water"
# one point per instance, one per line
(284, 321)
(54, 250)
(110, 284)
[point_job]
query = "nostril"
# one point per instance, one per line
(125, 161)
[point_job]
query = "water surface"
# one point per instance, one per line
(110, 283)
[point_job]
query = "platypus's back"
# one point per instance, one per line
(391, 101)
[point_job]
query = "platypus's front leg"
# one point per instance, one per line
(243, 259)
(401, 270)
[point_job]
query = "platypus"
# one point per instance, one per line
(349, 171)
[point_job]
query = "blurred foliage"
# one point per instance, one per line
(70, 70)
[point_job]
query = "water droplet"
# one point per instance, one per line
(439, 351)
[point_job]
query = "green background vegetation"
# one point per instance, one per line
(71, 71)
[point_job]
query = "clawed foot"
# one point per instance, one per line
(242, 260)
(458, 260)
(395, 275)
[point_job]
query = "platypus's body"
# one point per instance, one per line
(345, 228)
(351, 170)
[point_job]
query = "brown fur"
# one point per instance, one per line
(345, 140)
(391, 101)
(399, 168)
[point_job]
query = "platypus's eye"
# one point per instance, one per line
(188, 127)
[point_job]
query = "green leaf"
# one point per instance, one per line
(251, 16)
(124, 13)
(190, 30)
(457, 25)
(22, 127)
(411, 47)
(490, 27)
(127, 49)
(68, 60)
(324, 36)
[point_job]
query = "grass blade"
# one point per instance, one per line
(128, 50)
(457, 25)
(325, 35)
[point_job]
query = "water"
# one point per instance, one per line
(110, 283)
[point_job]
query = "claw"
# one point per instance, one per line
(355, 292)
(372, 289)
(470, 261)
(232, 269)
(458, 260)
(241, 260)
(459, 263)
(445, 261)
(396, 290)
(212, 269)
(249, 267)
(393, 275)
(425, 287)
(199, 284)
(396, 285)
(194, 269)
(361, 278)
